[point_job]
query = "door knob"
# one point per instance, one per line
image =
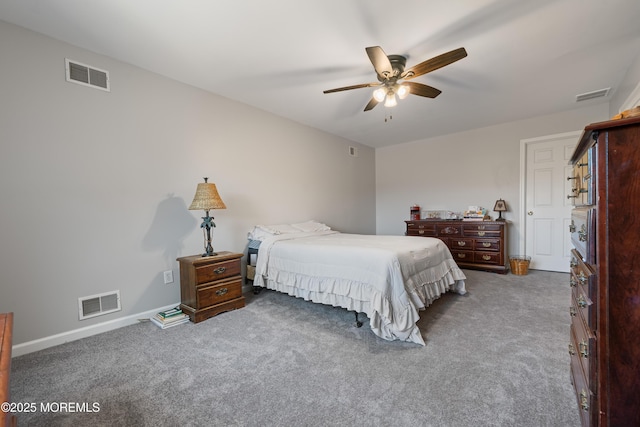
(530, 213)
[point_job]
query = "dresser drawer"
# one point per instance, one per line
(487, 257)
(217, 271)
(487, 245)
(584, 395)
(421, 228)
(462, 256)
(460, 244)
(218, 293)
(449, 230)
(584, 344)
(583, 233)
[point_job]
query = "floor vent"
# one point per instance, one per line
(87, 75)
(595, 94)
(97, 305)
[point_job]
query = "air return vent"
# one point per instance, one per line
(87, 75)
(595, 94)
(97, 305)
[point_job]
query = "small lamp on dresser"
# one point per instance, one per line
(500, 206)
(207, 198)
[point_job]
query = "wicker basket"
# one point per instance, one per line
(520, 264)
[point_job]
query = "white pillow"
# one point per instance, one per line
(311, 226)
(261, 232)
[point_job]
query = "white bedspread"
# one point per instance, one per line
(389, 278)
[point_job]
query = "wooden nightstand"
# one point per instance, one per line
(210, 285)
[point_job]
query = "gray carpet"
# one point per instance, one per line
(494, 357)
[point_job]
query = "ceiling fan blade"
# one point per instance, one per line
(371, 104)
(434, 63)
(380, 62)
(340, 89)
(420, 89)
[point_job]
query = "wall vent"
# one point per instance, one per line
(595, 94)
(97, 305)
(86, 75)
(353, 151)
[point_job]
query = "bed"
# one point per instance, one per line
(389, 278)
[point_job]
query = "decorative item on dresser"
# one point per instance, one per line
(6, 332)
(478, 245)
(605, 229)
(210, 285)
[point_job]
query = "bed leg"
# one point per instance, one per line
(358, 323)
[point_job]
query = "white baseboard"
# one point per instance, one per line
(76, 334)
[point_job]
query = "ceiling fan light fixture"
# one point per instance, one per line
(379, 94)
(391, 100)
(402, 91)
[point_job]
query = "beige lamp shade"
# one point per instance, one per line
(207, 197)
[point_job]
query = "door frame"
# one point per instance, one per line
(522, 237)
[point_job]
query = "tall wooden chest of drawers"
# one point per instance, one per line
(479, 245)
(210, 285)
(604, 345)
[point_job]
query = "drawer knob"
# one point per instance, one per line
(582, 234)
(584, 349)
(420, 231)
(572, 311)
(462, 255)
(461, 243)
(220, 270)
(222, 291)
(584, 400)
(486, 244)
(486, 257)
(573, 262)
(572, 351)
(481, 233)
(582, 303)
(582, 278)
(572, 227)
(573, 283)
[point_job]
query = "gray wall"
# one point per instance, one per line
(95, 185)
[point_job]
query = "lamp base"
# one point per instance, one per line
(206, 254)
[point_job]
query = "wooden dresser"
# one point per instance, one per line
(479, 245)
(210, 285)
(604, 345)
(6, 333)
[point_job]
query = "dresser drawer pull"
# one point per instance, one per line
(573, 262)
(486, 244)
(222, 291)
(582, 303)
(572, 227)
(462, 255)
(481, 233)
(572, 351)
(486, 257)
(420, 231)
(582, 234)
(584, 349)
(572, 312)
(462, 243)
(582, 278)
(573, 283)
(220, 270)
(481, 227)
(584, 400)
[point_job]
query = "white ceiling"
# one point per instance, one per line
(525, 57)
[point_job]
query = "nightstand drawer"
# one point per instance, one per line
(217, 271)
(218, 292)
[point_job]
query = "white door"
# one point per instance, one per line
(547, 209)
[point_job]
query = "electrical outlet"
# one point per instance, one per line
(168, 276)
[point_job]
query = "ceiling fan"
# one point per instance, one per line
(393, 78)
